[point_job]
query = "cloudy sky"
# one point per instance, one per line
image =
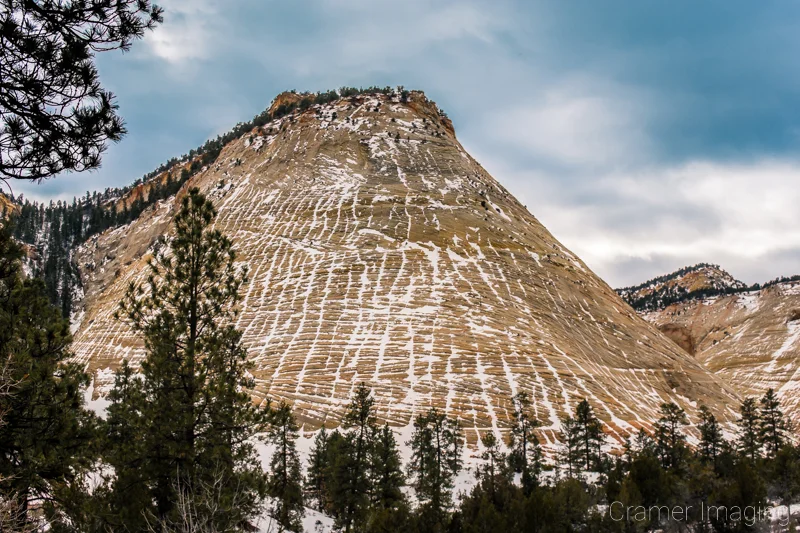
(646, 135)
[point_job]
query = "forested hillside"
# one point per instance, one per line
(694, 282)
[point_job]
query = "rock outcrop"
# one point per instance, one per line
(380, 251)
(750, 339)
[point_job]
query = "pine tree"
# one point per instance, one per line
(670, 441)
(493, 470)
(339, 473)
(591, 434)
(388, 507)
(748, 440)
(711, 440)
(46, 434)
(526, 452)
(317, 477)
(285, 481)
(386, 472)
(571, 455)
(124, 451)
(351, 469)
(196, 414)
(773, 426)
(435, 461)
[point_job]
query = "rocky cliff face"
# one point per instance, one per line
(381, 252)
(750, 339)
(7, 207)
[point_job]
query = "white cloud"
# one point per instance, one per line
(189, 31)
(576, 125)
(742, 216)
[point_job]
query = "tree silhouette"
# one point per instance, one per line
(55, 114)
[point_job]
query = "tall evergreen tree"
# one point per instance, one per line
(773, 426)
(591, 434)
(317, 477)
(285, 481)
(388, 506)
(351, 469)
(493, 471)
(748, 440)
(643, 442)
(670, 440)
(124, 450)
(711, 440)
(194, 410)
(571, 454)
(46, 433)
(526, 452)
(435, 462)
(341, 473)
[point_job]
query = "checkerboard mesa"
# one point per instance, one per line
(381, 252)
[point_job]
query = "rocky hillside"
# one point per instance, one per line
(749, 336)
(380, 251)
(7, 207)
(689, 283)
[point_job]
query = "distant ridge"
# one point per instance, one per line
(749, 335)
(696, 282)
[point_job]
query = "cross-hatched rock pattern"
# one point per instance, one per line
(751, 339)
(381, 252)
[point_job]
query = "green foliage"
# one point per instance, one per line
(749, 430)
(493, 473)
(525, 455)
(386, 471)
(571, 455)
(773, 425)
(388, 505)
(711, 440)
(285, 483)
(590, 435)
(66, 225)
(177, 441)
(191, 407)
(351, 477)
(317, 479)
(46, 434)
(435, 461)
(355, 475)
(55, 115)
(670, 440)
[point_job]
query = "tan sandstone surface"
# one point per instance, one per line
(380, 251)
(751, 339)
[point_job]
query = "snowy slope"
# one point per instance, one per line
(750, 339)
(380, 251)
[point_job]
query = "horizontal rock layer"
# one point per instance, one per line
(751, 340)
(380, 251)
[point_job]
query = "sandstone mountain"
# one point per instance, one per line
(749, 336)
(381, 252)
